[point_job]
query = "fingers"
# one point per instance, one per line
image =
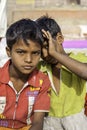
(46, 34)
(50, 45)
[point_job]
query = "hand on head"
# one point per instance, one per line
(50, 43)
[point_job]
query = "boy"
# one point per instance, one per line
(23, 88)
(68, 90)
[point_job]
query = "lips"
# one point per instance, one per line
(27, 67)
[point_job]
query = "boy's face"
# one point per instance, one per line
(45, 52)
(24, 57)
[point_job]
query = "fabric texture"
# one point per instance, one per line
(86, 105)
(69, 103)
(74, 122)
(71, 97)
(23, 128)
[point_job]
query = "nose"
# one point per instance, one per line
(28, 58)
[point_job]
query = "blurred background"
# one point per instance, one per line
(71, 15)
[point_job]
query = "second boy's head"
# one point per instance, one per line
(24, 42)
(49, 24)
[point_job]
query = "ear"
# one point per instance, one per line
(8, 51)
(59, 38)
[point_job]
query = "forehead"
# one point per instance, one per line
(23, 45)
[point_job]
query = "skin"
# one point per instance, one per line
(56, 51)
(24, 59)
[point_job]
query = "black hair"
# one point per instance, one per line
(49, 24)
(25, 29)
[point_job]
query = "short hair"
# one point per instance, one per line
(48, 24)
(25, 29)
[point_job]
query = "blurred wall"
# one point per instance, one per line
(68, 13)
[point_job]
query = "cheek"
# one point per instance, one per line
(36, 60)
(17, 60)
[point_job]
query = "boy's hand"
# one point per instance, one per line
(51, 44)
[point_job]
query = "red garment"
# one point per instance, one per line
(86, 105)
(16, 109)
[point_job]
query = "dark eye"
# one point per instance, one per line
(20, 52)
(37, 52)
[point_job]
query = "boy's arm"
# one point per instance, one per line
(37, 123)
(75, 66)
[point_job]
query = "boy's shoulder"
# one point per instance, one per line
(4, 67)
(4, 73)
